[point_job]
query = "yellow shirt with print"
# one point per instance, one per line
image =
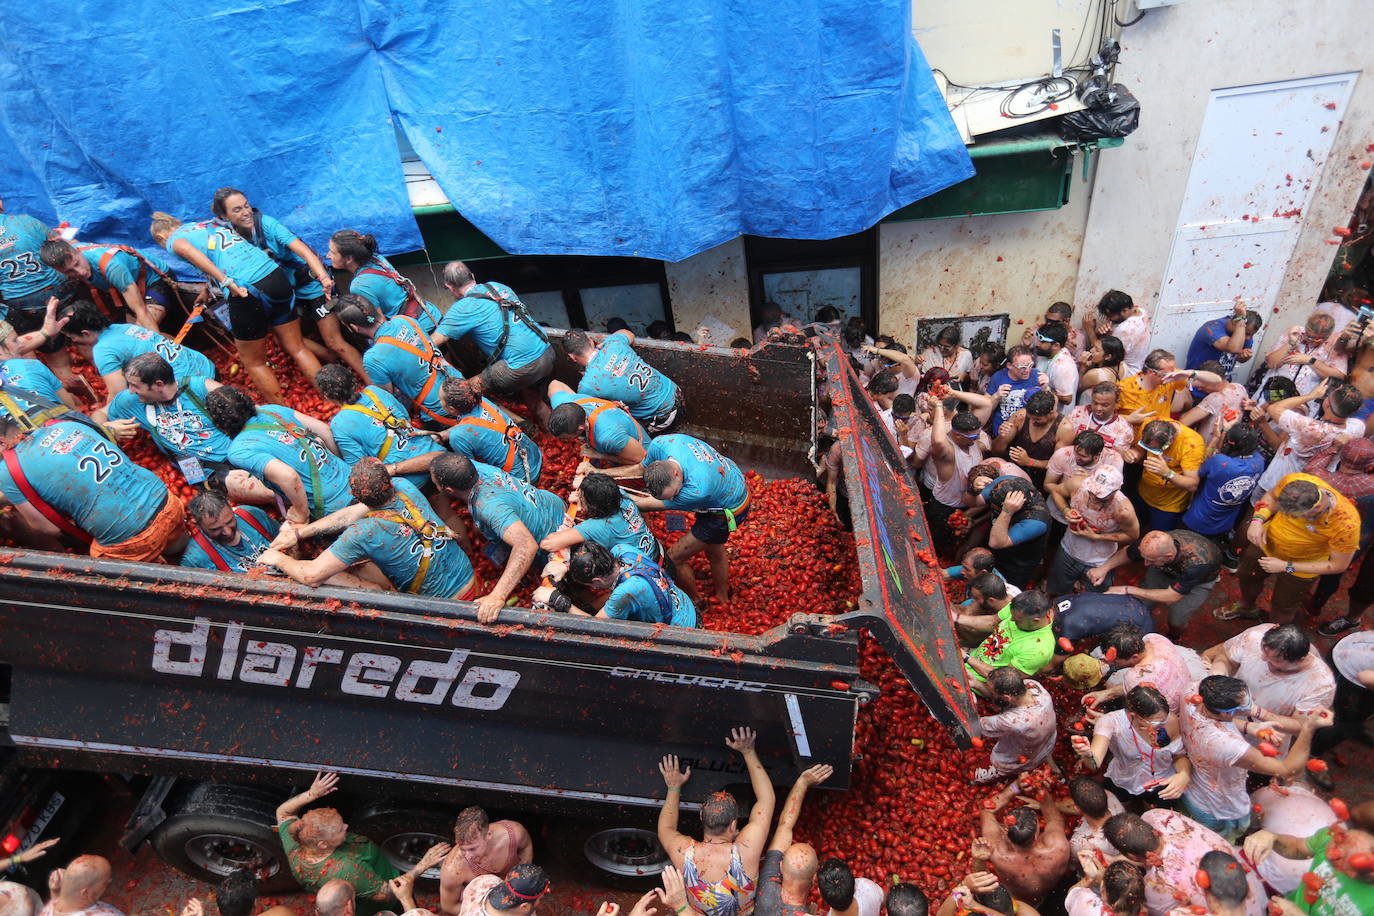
(1312, 539)
(1158, 402)
(1184, 456)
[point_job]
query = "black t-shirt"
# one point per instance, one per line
(768, 897)
(1198, 561)
(1091, 614)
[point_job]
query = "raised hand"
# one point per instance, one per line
(741, 740)
(673, 777)
(814, 776)
(325, 783)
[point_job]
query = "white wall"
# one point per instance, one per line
(952, 267)
(713, 285)
(1172, 60)
(997, 41)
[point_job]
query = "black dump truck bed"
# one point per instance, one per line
(145, 668)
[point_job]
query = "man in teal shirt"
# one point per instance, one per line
(506, 511)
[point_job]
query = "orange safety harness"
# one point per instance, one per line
(429, 356)
(115, 307)
(494, 419)
(600, 406)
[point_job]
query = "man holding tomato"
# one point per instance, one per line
(1019, 635)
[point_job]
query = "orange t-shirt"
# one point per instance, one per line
(1158, 402)
(1308, 539)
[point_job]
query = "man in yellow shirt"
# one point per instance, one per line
(1301, 529)
(1150, 395)
(1173, 454)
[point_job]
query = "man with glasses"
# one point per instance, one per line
(1061, 314)
(1215, 731)
(1010, 387)
(1284, 676)
(1173, 455)
(1308, 354)
(956, 447)
(1150, 394)
(1051, 345)
(1301, 529)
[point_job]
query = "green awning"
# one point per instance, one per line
(1019, 175)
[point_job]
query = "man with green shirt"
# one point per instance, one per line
(1019, 635)
(1342, 857)
(320, 849)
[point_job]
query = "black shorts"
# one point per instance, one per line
(316, 307)
(161, 292)
(714, 527)
(666, 422)
(269, 304)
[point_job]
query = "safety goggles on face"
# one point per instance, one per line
(1151, 451)
(1043, 339)
(1234, 709)
(1024, 368)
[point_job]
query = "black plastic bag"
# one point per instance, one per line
(1116, 115)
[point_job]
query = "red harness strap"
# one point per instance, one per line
(57, 518)
(414, 306)
(212, 549)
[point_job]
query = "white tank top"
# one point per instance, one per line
(951, 492)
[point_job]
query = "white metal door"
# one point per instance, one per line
(1259, 155)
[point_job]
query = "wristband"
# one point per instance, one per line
(681, 909)
(675, 788)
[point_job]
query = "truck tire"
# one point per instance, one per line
(212, 830)
(404, 833)
(625, 856)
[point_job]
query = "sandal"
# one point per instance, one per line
(1338, 626)
(1235, 611)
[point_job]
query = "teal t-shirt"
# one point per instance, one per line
(387, 293)
(22, 272)
(499, 501)
(253, 449)
(618, 374)
(122, 269)
(398, 550)
(180, 427)
(276, 239)
(360, 435)
(481, 435)
(634, 597)
(30, 375)
(120, 343)
(241, 557)
(614, 428)
(239, 259)
(479, 316)
(88, 479)
(390, 361)
(709, 479)
(626, 528)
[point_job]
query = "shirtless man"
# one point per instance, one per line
(1028, 860)
(480, 848)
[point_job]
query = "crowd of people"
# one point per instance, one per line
(1090, 494)
(1048, 472)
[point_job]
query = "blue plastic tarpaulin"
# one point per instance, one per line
(643, 128)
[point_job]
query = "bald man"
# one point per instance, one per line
(789, 869)
(76, 890)
(335, 898)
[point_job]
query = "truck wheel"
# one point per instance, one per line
(212, 830)
(624, 856)
(404, 834)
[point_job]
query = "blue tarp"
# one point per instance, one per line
(612, 127)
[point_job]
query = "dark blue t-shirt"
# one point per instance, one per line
(1202, 348)
(1223, 490)
(1015, 399)
(1092, 614)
